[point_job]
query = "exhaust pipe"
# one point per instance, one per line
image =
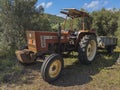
(59, 39)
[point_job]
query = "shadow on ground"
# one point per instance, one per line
(78, 74)
(75, 74)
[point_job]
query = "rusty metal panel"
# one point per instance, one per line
(31, 40)
(39, 40)
(71, 12)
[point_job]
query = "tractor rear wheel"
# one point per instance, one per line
(87, 49)
(52, 67)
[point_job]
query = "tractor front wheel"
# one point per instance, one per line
(87, 49)
(52, 67)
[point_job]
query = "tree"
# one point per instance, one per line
(117, 33)
(104, 22)
(17, 16)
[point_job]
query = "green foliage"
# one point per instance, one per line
(117, 33)
(71, 24)
(54, 21)
(9, 69)
(40, 22)
(104, 22)
(17, 16)
(87, 23)
(78, 23)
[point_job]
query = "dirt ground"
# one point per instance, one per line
(100, 75)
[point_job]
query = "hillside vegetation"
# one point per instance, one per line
(54, 21)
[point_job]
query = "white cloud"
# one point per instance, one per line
(92, 4)
(49, 4)
(61, 15)
(45, 5)
(96, 4)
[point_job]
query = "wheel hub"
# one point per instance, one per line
(55, 68)
(91, 50)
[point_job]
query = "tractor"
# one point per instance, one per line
(50, 47)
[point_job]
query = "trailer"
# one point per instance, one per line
(108, 43)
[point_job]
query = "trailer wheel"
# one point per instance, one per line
(87, 49)
(52, 67)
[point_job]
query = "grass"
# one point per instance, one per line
(102, 74)
(8, 69)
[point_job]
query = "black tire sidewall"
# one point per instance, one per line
(46, 65)
(83, 49)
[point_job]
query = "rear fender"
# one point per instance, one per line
(81, 34)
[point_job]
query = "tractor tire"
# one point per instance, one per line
(52, 68)
(87, 49)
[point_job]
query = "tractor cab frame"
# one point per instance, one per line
(76, 35)
(74, 13)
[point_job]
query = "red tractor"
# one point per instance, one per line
(50, 46)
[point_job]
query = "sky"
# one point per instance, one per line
(54, 6)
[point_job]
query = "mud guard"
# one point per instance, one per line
(25, 56)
